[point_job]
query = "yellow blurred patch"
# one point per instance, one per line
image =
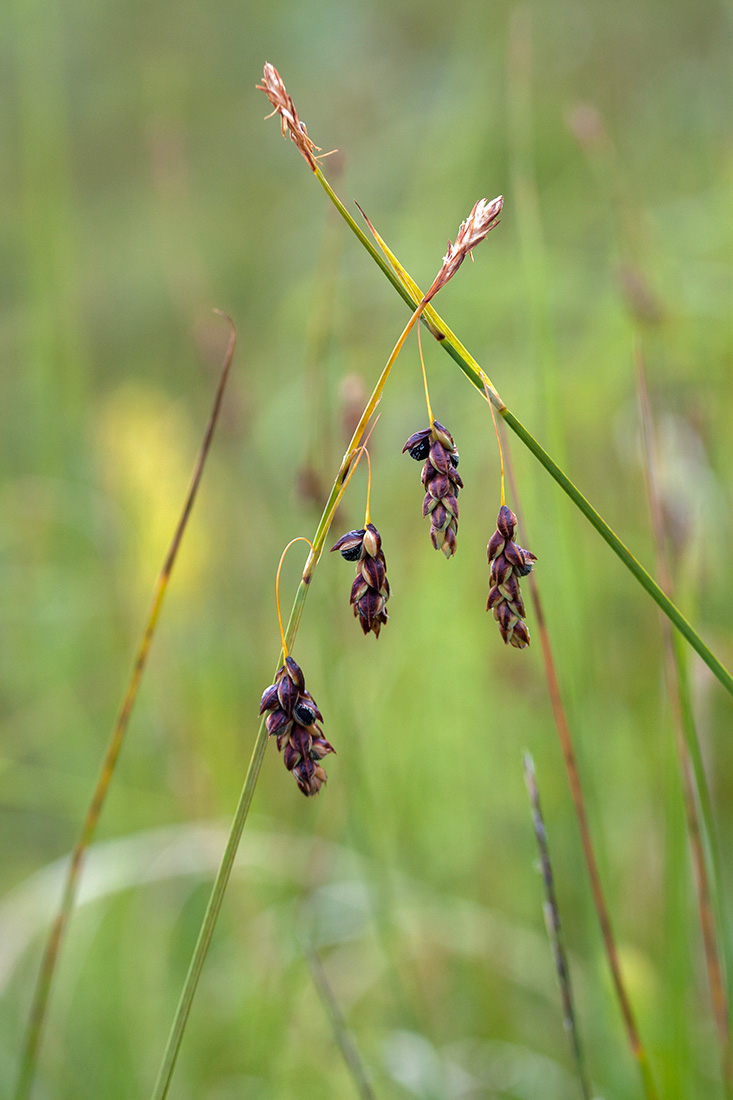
(147, 450)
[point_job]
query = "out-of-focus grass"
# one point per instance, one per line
(141, 189)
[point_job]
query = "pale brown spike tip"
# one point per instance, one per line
(282, 104)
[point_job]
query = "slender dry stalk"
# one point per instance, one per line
(576, 791)
(599, 900)
(42, 990)
(554, 929)
(343, 1037)
(694, 783)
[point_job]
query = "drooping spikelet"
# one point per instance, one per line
(293, 720)
(370, 590)
(441, 480)
(508, 563)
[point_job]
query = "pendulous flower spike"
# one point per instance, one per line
(293, 721)
(441, 480)
(508, 563)
(370, 589)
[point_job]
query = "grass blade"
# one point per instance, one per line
(695, 792)
(44, 982)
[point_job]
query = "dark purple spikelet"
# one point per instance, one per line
(370, 590)
(292, 719)
(441, 480)
(508, 563)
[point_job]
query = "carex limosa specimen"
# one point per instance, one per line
(473, 230)
(420, 306)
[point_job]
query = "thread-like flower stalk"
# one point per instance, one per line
(441, 480)
(292, 719)
(508, 563)
(370, 590)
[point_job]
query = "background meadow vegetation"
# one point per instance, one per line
(141, 188)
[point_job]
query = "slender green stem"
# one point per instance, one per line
(170, 1055)
(476, 376)
(216, 898)
(342, 1037)
(44, 982)
(695, 791)
(639, 572)
(702, 791)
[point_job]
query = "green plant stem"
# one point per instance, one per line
(622, 552)
(695, 791)
(476, 376)
(170, 1054)
(44, 982)
(342, 1037)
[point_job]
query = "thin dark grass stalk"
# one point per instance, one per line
(695, 792)
(554, 930)
(342, 1036)
(576, 791)
(49, 962)
(411, 294)
(216, 897)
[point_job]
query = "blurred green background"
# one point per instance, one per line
(141, 189)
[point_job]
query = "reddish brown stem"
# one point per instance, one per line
(576, 792)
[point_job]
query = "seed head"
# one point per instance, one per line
(370, 590)
(273, 87)
(471, 232)
(441, 480)
(508, 563)
(292, 719)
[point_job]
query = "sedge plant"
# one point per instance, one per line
(481, 220)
